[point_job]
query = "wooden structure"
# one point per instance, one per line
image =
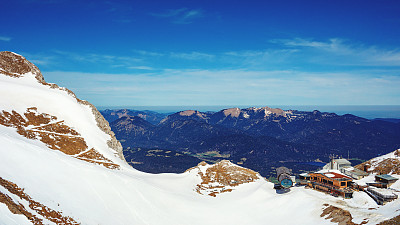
(378, 185)
(333, 183)
(304, 179)
(386, 179)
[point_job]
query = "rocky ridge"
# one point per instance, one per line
(14, 65)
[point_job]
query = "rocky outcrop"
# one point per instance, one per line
(14, 65)
(386, 164)
(105, 127)
(233, 112)
(54, 133)
(19, 202)
(338, 215)
(221, 177)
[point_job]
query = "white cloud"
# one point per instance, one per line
(4, 38)
(141, 68)
(181, 15)
(232, 87)
(112, 60)
(188, 16)
(148, 53)
(192, 55)
(331, 44)
(338, 51)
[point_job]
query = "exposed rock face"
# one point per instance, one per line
(222, 177)
(19, 202)
(187, 113)
(105, 127)
(54, 133)
(14, 65)
(233, 112)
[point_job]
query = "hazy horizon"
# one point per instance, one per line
(365, 111)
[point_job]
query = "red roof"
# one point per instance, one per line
(334, 175)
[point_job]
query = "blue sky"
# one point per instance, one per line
(162, 53)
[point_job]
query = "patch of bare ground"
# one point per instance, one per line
(222, 176)
(55, 134)
(390, 165)
(338, 215)
(18, 208)
(393, 221)
(93, 156)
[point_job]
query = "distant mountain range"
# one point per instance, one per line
(258, 138)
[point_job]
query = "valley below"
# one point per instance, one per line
(258, 138)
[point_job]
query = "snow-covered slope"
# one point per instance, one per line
(60, 164)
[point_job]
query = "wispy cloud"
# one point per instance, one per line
(4, 38)
(192, 55)
(99, 58)
(284, 54)
(180, 16)
(40, 59)
(341, 52)
(257, 59)
(148, 53)
(331, 44)
(233, 87)
(140, 68)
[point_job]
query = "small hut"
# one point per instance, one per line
(385, 178)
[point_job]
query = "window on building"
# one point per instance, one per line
(343, 183)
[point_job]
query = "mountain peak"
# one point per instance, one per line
(233, 112)
(188, 112)
(267, 110)
(14, 65)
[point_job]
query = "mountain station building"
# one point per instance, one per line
(334, 183)
(344, 166)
